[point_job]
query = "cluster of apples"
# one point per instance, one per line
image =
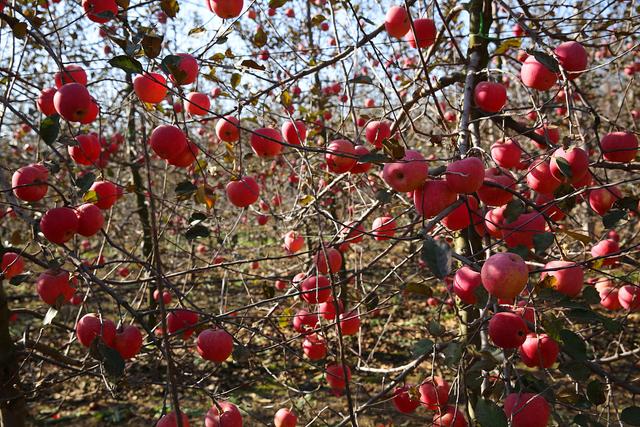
(126, 340)
(398, 24)
(70, 99)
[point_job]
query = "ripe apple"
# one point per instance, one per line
(377, 131)
(573, 57)
(629, 297)
(223, 414)
(507, 330)
(494, 221)
(170, 420)
(243, 192)
(303, 321)
(285, 418)
(92, 113)
(575, 161)
(266, 142)
(182, 320)
(408, 173)
(521, 231)
(150, 87)
(314, 347)
(328, 260)
(465, 283)
(537, 76)
(539, 350)
(383, 228)
(461, 216)
(619, 147)
(490, 97)
(540, 179)
(59, 224)
(315, 289)
(167, 140)
(215, 345)
(465, 176)
(526, 410)
(451, 416)
(293, 242)
(336, 378)
(352, 232)
(54, 288)
(294, 132)
(29, 183)
(90, 219)
(403, 401)
(91, 326)
(45, 101)
(197, 103)
(496, 196)
(550, 133)
(361, 167)
(396, 22)
(226, 9)
(100, 11)
(72, 101)
(71, 74)
(349, 323)
(569, 277)
(506, 153)
(602, 199)
(423, 33)
(187, 70)
(434, 393)
(185, 158)
(227, 129)
(504, 275)
(128, 341)
(605, 248)
(340, 156)
(328, 309)
(107, 194)
(87, 150)
(433, 197)
(12, 264)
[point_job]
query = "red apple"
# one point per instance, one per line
(293, 242)
(314, 347)
(91, 326)
(225, 9)
(461, 216)
(227, 129)
(185, 158)
(59, 225)
(403, 401)
(54, 288)
(629, 297)
(107, 194)
(575, 161)
(340, 156)
(619, 147)
(451, 416)
(170, 420)
(150, 87)
(87, 150)
(71, 74)
(336, 378)
(128, 341)
(521, 231)
(167, 140)
(507, 330)
(491, 192)
(537, 76)
(465, 176)
(433, 197)
(72, 101)
(550, 133)
(540, 178)
(494, 221)
(266, 142)
(303, 321)
(383, 228)
(328, 309)
(605, 248)
(285, 418)
(539, 351)
(573, 57)
(569, 277)
(408, 173)
(423, 33)
(506, 153)
(315, 289)
(182, 320)
(526, 410)
(12, 264)
(294, 132)
(243, 192)
(224, 414)
(197, 104)
(29, 183)
(490, 97)
(465, 283)
(100, 11)
(396, 22)
(166, 296)
(90, 219)
(349, 323)
(434, 393)
(187, 70)
(602, 199)
(361, 167)
(215, 345)
(45, 101)
(376, 132)
(328, 260)
(504, 275)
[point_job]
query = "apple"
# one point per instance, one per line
(521, 231)
(629, 297)
(100, 11)
(185, 158)
(349, 323)
(569, 277)
(107, 194)
(71, 74)
(465, 176)
(243, 192)
(507, 330)
(383, 228)
(490, 97)
(460, 217)
(506, 153)
(293, 242)
(361, 167)
(605, 248)
(294, 132)
(90, 219)
(186, 70)
(396, 22)
(352, 232)
(575, 161)
(87, 150)
(285, 418)
(227, 129)
(315, 289)
(492, 195)
(536, 76)
(266, 142)
(376, 132)
(550, 133)
(226, 9)
(434, 393)
(403, 401)
(59, 224)
(340, 156)
(408, 173)
(314, 347)
(328, 309)
(526, 410)
(619, 147)
(91, 326)
(451, 416)
(166, 296)
(128, 341)
(328, 260)
(433, 197)
(92, 113)
(573, 58)
(167, 140)
(197, 104)
(170, 420)
(504, 275)
(72, 101)
(223, 414)
(12, 264)
(182, 320)
(336, 378)
(423, 33)
(465, 283)
(53, 287)
(494, 221)
(303, 321)
(540, 179)
(215, 345)
(29, 183)
(609, 296)
(602, 199)
(45, 101)
(150, 87)
(539, 351)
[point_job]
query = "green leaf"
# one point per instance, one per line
(576, 370)
(573, 345)
(452, 353)
(85, 181)
(423, 346)
(383, 196)
(235, 80)
(631, 415)
(197, 231)
(626, 203)
(373, 158)
(565, 168)
(542, 241)
(127, 64)
(520, 250)
(50, 128)
(197, 217)
(590, 295)
(20, 278)
(488, 414)
(260, 37)
(513, 210)
(112, 361)
(362, 79)
(51, 314)
(185, 188)
(611, 218)
(152, 45)
(437, 255)
(595, 392)
(435, 328)
(274, 4)
(547, 60)
(170, 64)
